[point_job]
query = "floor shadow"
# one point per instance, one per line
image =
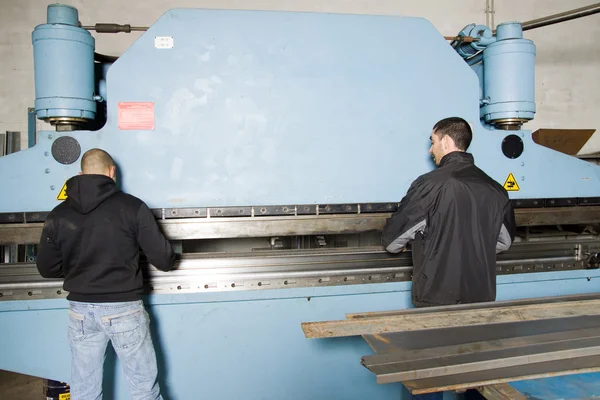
(110, 374)
(160, 354)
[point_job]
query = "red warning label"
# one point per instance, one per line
(136, 116)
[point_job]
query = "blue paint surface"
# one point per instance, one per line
(278, 108)
(258, 108)
(248, 344)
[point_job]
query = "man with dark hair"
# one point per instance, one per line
(456, 129)
(92, 240)
(458, 219)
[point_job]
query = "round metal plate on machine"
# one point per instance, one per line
(66, 150)
(512, 146)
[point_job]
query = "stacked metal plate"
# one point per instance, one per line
(472, 346)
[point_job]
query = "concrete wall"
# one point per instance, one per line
(567, 73)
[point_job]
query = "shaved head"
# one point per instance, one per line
(97, 162)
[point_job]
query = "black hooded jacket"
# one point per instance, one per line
(93, 238)
(458, 219)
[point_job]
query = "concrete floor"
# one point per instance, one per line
(17, 386)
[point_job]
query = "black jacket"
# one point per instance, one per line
(459, 219)
(92, 240)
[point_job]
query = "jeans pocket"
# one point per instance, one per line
(76, 326)
(125, 329)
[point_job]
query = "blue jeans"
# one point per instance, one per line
(127, 326)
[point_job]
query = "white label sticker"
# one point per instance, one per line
(163, 42)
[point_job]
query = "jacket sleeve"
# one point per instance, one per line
(410, 218)
(507, 230)
(49, 255)
(156, 247)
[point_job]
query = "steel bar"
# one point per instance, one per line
(187, 276)
(463, 337)
(222, 228)
(260, 270)
(465, 39)
(229, 228)
(20, 233)
(434, 320)
(299, 261)
(561, 17)
(486, 359)
(246, 227)
(400, 355)
(247, 271)
(538, 260)
(13, 253)
(13, 142)
(501, 391)
(31, 128)
(588, 215)
(101, 28)
(301, 268)
(476, 306)
(502, 375)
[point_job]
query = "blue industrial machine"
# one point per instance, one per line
(271, 147)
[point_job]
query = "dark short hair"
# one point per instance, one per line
(96, 159)
(457, 128)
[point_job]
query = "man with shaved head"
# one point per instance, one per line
(98, 162)
(93, 241)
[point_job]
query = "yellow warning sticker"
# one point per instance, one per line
(511, 184)
(62, 195)
(64, 396)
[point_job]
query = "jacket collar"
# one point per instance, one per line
(457, 157)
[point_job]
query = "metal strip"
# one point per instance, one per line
(239, 272)
(399, 353)
(31, 128)
(268, 211)
(230, 212)
(306, 209)
(486, 360)
(176, 213)
(528, 203)
(12, 218)
(378, 207)
(503, 375)
(438, 320)
(274, 269)
(588, 215)
(225, 228)
(464, 336)
(241, 227)
(589, 201)
(561, 17)
(13, 142)
(501, 391)
(338, 209)
(20, 233)
(528, 212)
(35, 216)
(475, 306)
(2, 144)
(566, 202)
